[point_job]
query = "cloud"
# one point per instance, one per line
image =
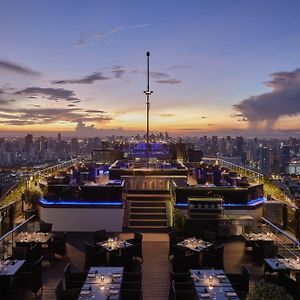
(88, 39)
(85, 80)
(12, 116)
(3, 101)
(142, 25)
(116, 29)
(49, 93)
(94, 111)
(178, 67)
(84, 130)
(169, 81)
(283, 100)
(165, 115)
(236, 115)
(243, 120)
(191, 129)
(158, 75)
(16, 68)
(118, 71)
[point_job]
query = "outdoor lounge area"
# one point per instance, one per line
(38, 263)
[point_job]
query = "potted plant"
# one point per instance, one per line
(31, 197)
(179, 220)
(268, 291)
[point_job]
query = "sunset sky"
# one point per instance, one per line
(217, 67)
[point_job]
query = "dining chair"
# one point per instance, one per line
(100, 236)
(74, 279)
(128, 294)
(94, 257)
(67, 294)
(45, 227)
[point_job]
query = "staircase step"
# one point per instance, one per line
(146, 229)
(143, 222)
(147, 210)
(160, 204)
(152, 192)
(148, 216)
(147, 197)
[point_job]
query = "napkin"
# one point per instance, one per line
(204, 295)
(231, 294)
(116, 275)
(85, 292)
(91, 275)
(113, 292)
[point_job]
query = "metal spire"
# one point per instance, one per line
(148, 93)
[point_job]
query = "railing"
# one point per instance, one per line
(225, 163)
(172, 203)
(288, 245)
(7, 240)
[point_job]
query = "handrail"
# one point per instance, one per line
(16, 228)
(39, 172)
(2, 208)
(295, 241)
(9, 190)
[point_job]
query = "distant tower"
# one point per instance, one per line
(148, 93)
(59, 137)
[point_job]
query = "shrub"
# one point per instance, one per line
(268, 291)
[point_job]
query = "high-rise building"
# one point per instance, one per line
(285, 156)
(264, 161)
(28, 142)
(214, 145)
(239, 145)
(43, 143)
(74, 146)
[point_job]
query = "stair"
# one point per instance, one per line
(147, 212)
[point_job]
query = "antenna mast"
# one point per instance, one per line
(148, 93)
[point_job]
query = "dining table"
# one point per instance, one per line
(259, 237)
(10, 267)
(194, 244)
(212, 284)
(33, 237)
(114, 244)
(102, 283)
(283, 264)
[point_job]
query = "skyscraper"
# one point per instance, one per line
(28, 142)
(264, 160)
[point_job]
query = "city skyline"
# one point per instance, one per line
(216, 68)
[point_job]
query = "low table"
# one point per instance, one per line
(10, 267)
(36, 237)
(283, 264)
(113, 244)
(102, 282)
(194, 244)
(259, 237)
(212, 284)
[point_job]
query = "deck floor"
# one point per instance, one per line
(155, 265)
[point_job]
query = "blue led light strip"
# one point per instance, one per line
(250, 203)
(75, 203)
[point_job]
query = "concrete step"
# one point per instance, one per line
(148, 216)
(143, 222)
(146, 199)
(147, 210)
(146, 229)
(160, 204)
